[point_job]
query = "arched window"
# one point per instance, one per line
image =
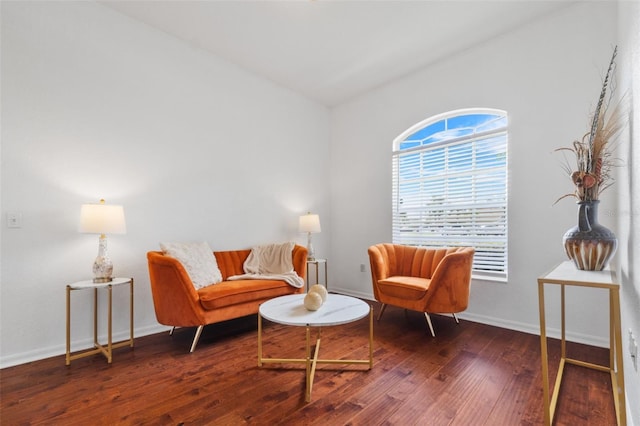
(450, 186)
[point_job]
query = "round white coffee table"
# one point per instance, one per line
(336, 310)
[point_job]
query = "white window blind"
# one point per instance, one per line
(450, 186)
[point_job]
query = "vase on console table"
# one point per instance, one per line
(589, 244)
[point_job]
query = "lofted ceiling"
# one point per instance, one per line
(332, 51)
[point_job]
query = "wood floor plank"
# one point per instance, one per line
(468, 374)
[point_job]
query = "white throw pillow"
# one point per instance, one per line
(198, 260)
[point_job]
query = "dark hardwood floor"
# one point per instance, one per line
(470, 374)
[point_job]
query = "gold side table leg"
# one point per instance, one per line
(326, 277)
(317, 273)
(617, 374)
(544, 356)
(612, 332)
(110, 326)
(563, 340)
(68, 355)
(563, 357)
(95, 318)
(131, 314)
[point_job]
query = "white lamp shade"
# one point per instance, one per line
(309, 223)
(102, 219)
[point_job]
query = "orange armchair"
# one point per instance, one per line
(421, 279)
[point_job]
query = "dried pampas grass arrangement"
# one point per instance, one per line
(594, 159)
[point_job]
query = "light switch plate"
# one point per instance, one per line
(14, 220)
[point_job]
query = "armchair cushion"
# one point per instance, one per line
(404, 287)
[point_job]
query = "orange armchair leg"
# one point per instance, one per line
(196, 337)
(384, 306)
(426, 315)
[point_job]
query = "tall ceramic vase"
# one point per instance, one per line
(590, 245)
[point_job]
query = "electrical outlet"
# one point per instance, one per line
(362, 267)
(633, 350)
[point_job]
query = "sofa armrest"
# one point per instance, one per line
(299, 260)
(175, 300)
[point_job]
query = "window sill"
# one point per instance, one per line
(489, 278)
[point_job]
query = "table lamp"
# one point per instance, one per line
(102, 219)
(309, 223)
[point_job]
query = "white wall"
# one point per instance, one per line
(97, 105)
(629, 205)
(547, 75)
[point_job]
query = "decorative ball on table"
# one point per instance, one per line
(321, 290)
(313, 301)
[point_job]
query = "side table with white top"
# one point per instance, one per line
(106, 350)
(317, 263)
(566, 274)
(336, 310)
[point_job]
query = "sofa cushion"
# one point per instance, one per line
(197, 259)
(229, 293)
(404, 287)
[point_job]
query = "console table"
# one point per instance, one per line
(566, 274)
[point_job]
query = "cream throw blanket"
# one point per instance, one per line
(271, 262)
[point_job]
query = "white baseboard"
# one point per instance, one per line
(502, 323)
(57, 350)
(350, 292)
(535, 329)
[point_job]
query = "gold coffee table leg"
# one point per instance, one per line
(259, 340)
(307, 395)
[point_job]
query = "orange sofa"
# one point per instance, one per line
(178, 304)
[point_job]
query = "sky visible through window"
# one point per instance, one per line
(454, 127)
